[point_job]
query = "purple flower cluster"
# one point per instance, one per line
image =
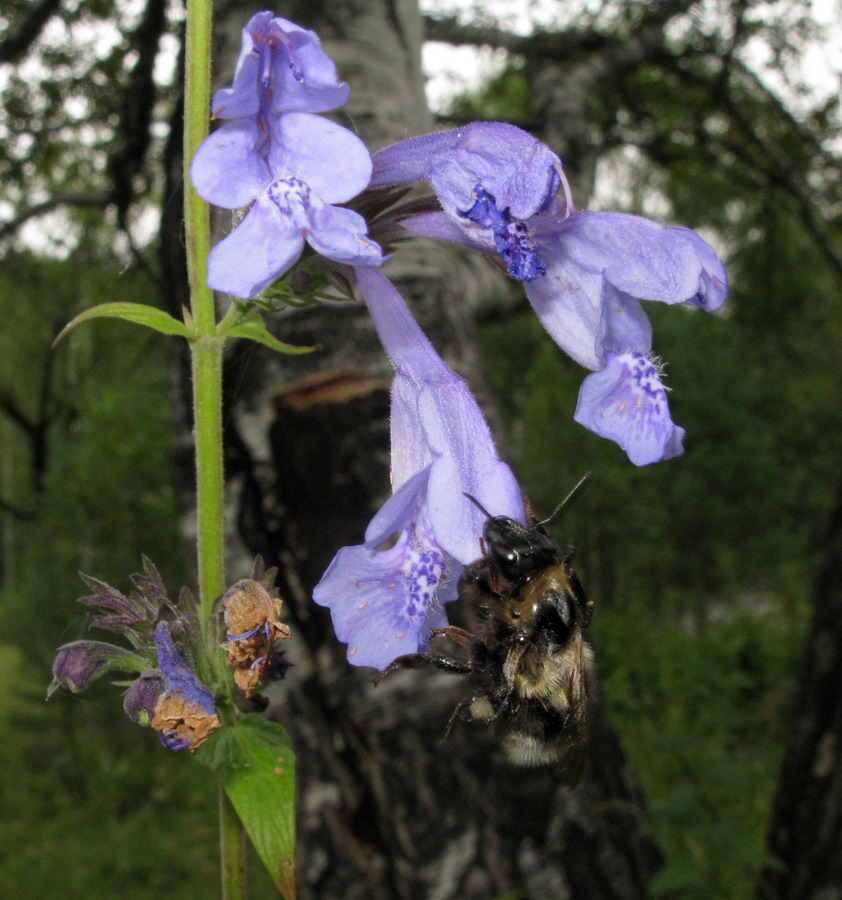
(583, 272)
(497, 190)
(274, 153)
(166, 695)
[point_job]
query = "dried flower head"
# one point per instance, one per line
(252, 624)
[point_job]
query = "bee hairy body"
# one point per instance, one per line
(535, 667)
(530, 659)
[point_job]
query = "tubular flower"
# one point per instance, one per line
(252, 621)
(274, 151)
(385, 602)
(184, 713)
(281, 68)
(490, 178)
(583, 272)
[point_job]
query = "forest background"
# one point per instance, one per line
(712, 574)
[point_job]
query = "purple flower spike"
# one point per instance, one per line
(282, 68)
(627, 403)
(385, 602)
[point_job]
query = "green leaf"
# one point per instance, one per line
(255, 761)
(254, 329)
(139, 313)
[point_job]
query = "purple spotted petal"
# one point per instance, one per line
(627, 403)
(384, 603)
(281, 68)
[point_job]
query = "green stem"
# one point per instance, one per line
(206, 359)
(231, 848)
(207, 348)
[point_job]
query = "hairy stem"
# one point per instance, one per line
(206, 358)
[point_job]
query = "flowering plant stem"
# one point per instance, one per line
(206, 359)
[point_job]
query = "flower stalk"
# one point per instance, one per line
(206, 348)
(206, 364)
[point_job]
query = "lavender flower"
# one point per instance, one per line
(490, 178)
(385, 602)
(583, 272)
(282, 68)
(275, 152)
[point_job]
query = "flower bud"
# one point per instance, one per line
(142, 697)
(80, 663)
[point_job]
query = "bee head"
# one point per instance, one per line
(519, 552)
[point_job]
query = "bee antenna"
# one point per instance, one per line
(478, 505)
(567, 499)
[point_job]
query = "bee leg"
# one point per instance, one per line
(422, 661)
(457, 635)
(458, 713)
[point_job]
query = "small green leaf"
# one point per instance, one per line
(257, 766)
(254, 329)
(139, 313)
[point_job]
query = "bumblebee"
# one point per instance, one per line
(529, 657)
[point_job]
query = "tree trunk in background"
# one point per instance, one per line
(386, 809)
(806, 829)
